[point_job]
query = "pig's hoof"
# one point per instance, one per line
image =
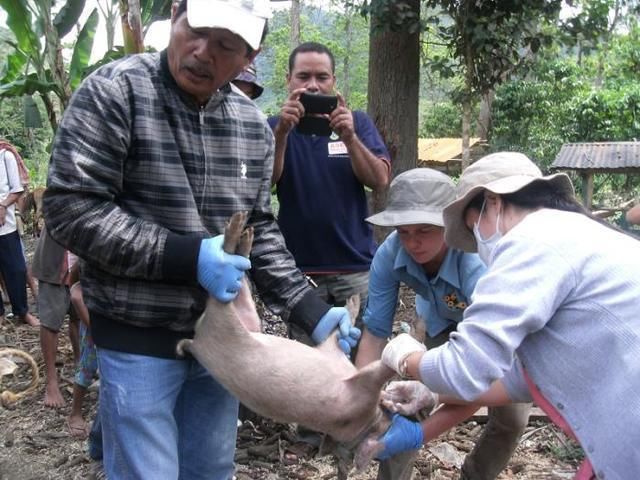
(183, 347)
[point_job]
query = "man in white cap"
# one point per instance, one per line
(155, 152)
(443, 278)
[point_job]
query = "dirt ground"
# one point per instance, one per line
(35, 443)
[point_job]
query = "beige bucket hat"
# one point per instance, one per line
(416, 196)
(500, 173)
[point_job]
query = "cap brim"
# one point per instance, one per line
(456, 233)
(214, 14)
(416, 217)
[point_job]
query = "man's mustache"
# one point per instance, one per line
(198, 68)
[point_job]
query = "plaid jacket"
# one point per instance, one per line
(139, 174)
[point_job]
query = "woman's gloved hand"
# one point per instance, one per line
(397, 351)
(403, 435)
(337, 317)
(220, 273)
(408, 398)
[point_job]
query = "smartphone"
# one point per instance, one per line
(316, 104)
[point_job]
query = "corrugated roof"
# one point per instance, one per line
(441, 149)
(598, 156)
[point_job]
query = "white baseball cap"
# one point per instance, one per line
(245, 18)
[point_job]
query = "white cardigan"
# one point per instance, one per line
(563, 294)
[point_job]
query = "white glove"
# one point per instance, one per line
(408, 398)
(397, 351)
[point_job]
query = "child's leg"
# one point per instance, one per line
(85, 371)
(78, 428)
(78, 313)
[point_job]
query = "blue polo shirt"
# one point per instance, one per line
(440, 301)
(323, 204)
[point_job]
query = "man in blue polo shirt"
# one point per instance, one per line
(321, 181)
(443, 280)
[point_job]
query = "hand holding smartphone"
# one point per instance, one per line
(315, 104)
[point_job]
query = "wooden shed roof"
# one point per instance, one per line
(611, 157)
(441, 150)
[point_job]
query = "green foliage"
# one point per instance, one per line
(608, 114)
(558, 105)
(82, 50)
(31, 143)
(532, 115)
(485, 40)
(393, 15)
(154, 10)
(442, 119)
(623, 59)
(68, 16)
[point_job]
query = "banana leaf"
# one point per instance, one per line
(82, 50)
(68, 16)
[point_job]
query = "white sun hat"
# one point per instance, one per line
(500, 173)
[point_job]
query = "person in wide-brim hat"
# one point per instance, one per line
(443, 278)
(560, 292)
(499, 173)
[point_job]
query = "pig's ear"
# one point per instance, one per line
(367, 451)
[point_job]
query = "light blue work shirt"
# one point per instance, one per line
(440, 301)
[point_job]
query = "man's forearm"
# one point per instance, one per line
(278, 159)
(11, 199)
(372, 171)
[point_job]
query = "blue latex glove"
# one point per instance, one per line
(403, 435)
(220, 272)
(337, 317)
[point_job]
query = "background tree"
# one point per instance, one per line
(394, 79)
(485, 42)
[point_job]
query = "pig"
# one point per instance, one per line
(285, 380)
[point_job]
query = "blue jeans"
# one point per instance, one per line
(14, 271)
(164, 419)
(95, 438)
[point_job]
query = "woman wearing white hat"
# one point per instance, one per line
(443, 280)
(554, 319)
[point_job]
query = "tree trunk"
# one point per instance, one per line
(109, 14)
(394, 80)
(466, 130)
(346, 65)
(55, 62)
(130, 18)
(466, 106)
(484, 117)
(295, 24)
(51, 111)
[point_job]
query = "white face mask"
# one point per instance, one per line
(486, 247)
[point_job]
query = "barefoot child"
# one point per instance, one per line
(52, 266)
(85, 369)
